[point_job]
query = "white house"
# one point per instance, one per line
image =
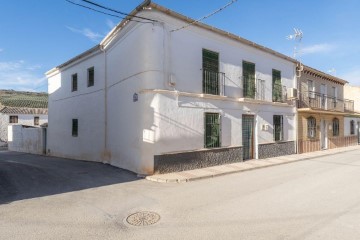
(24, 108)
(352, 120)
(150, 98)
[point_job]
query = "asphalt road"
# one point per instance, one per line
(50, 198)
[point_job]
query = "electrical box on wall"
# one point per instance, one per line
(265, 127)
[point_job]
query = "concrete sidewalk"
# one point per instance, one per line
(196, 174)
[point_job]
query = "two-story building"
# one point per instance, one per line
(321, 112)
(352, 119)
(156, 97)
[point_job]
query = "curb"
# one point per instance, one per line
(153, 178)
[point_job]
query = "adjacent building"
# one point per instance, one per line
(323, 112)
(25, 108)
(155, 97)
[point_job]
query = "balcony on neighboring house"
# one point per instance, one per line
(213, 82)
(321, 101)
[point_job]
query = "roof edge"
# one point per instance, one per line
(333, 78)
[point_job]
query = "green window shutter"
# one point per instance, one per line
(210, 72)
(276, 86)
(249, 79)
(212, 130)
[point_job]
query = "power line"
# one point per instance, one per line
(109, 14)
(207, 16)
(116, 11)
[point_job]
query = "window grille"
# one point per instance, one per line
(212, 130)
(336, 127)
(211, 77)
(352, 127)
(278, 127)
(311, 127)
(13, 119)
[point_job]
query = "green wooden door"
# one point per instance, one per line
(249, 79)
(248, 136)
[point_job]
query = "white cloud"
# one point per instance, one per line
(19, 75)
(93, 36)
(1, 49)
(353, 76)
(110, 24)
(318, 48)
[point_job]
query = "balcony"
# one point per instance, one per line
(321, 101)
(213, 82)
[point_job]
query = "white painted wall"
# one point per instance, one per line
(141, 60)
(29, 140)
(23, 119)
(353, 93)
(347, 121)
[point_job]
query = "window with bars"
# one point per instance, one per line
(336, 127)
(211, 83)
(249, 79)
(212, 130)
(352, 127)
(74, 82)
(311, 127)
(276, 86)
(75, 127)
(13, 119)
(278, 128)
(36, 121)
(91, 76)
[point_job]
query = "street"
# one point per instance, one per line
(52, 198)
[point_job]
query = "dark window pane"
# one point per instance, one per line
(91, 77)
(249, 79)
(75, 127)
(212, 130)
(74, 86)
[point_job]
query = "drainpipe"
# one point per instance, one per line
(106, 156)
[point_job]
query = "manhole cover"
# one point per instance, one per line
(143, 218)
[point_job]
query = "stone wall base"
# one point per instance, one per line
(276, 149)
(183, 161)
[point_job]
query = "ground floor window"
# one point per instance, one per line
(212, 130)
(352, 127)
(75, 127)
(278, 128)
(336, 127)
(13, 119)
(311, 127)
(36, 121)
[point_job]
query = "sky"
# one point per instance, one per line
(37, 35)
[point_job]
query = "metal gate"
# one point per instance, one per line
(248, 136)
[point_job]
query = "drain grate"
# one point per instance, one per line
(143, 218)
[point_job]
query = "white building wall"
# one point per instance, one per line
(86, 104)
(23, 119)
(141, 61)
(353, 93)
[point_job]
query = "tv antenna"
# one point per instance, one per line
(297, 37)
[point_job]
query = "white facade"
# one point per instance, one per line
(148, 100)
(23, 119)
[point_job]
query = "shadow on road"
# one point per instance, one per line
(24, 176)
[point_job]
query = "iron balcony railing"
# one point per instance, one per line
(213, 82)
(322, 101)
(279, 93)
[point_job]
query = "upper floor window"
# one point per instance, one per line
(248, 79)
(13, 119)
(36, 121)
(74, 82)
(211, 75)
(311, 127)
(276, 86)
(336, 127)
(91, 76)
(278, 128)
(311, 88)
(352, 127)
